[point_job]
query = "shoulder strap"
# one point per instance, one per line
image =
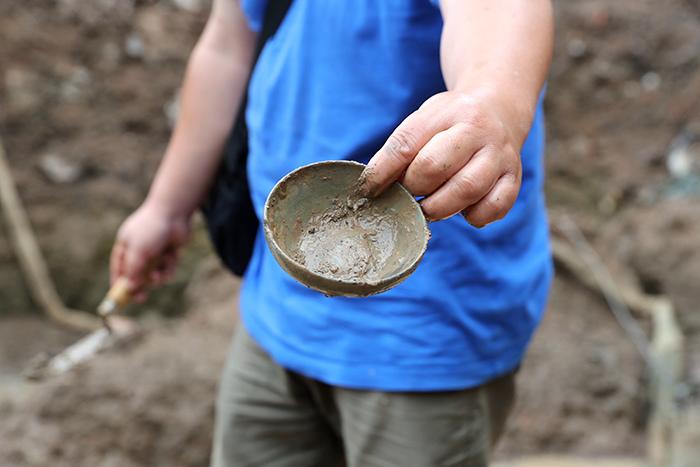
(274, 14)
(236, 153)
(228, 209)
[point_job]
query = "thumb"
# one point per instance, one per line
(402, 146)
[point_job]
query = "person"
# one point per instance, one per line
(446, 97)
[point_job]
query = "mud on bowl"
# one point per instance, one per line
(331, 240)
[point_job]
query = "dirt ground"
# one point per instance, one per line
(558, 461)
(91, 84)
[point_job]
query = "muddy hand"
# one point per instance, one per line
(123, 291)
(147, 247)
(459, 152)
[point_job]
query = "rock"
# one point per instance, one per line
(684, 155)
(650, 81)
(193, 6)
(157, 34)
(59, 170)
(576, 48)
(73, 88)
(581, 146)
(606, 71)
(172, 108)
(133, 46)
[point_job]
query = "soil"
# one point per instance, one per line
(561, 461)
(341, 242)
(350, 241)
(71, 89)
(23, 339)
(92, 84)
(150, 404)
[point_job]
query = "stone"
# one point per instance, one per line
(683, 157)
(171, 109)
(133, 46)
(576, 48)
(75, 85)
(59, 170)
(651, 81)
(193, 6)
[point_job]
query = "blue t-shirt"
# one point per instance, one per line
(333, 83)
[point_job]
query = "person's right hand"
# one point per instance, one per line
(146, 248)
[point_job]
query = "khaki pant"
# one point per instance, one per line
(268, 416)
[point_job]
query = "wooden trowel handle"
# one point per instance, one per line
(118, 297)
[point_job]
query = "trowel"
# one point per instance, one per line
(116, 299)
(116, 331)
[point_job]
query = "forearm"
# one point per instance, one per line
(211, 94)
(501, 48)
(461, 148)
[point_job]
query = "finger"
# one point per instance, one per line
(135, 268)
(442, 157)
(165, 268)
(140, 297)
(465, 188)
(402, 146)
(116, 261)
(169, 265)
(496, 204)
(156, 277)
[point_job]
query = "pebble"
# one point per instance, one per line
(133, 46)
(650, 81)
(60, 170)
(576, 48)
(171, 109)
(193, 6)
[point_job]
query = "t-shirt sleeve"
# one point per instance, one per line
(254, 11)
(436, 3)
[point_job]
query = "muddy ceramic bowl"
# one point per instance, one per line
(328, 238)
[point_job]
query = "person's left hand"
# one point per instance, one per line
(460, 151)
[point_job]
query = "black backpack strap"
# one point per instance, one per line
(228, 209)
(274, 15)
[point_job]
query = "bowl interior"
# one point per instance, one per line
(315, 220)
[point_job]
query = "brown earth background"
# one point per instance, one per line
(89, 87)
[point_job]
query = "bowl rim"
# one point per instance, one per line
(396, 277)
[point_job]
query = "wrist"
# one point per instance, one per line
(166, 206)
